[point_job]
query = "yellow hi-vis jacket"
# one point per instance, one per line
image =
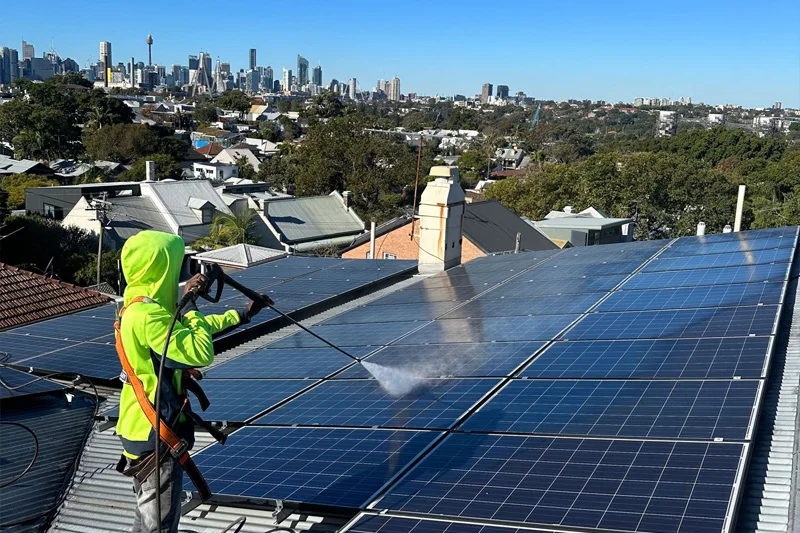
(151, 263)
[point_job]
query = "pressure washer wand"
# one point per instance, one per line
(253, 295)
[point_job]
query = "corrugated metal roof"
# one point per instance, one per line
(312, 218)
(581, 222)
(769, 501)
(132, 214)
(175, 196)
(61, 429)
(9, 165)
(493, 228)
(26, 297)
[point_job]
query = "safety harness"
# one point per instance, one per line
(178, 447)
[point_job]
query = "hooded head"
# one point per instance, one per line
(151, 263)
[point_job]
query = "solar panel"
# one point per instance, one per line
(363, 402)
(376, 334)
(108, 311)
(392, 313)
(480, 280)
(561, 270)
(545, 305)
(19, 347)
(70, 328)
(740, 294)
(241, 399)
(501, 328)
(709, 276)
(90, 359)
(743, 357)
(414, 295)
(286, 363)
(343, 467)
(692, 262)
(370, 523)
(680, 248)
(15, 384)
(451, 360)
(706, 322)
(619, 485)
(702, 410)
(740, 236)
(520, 288)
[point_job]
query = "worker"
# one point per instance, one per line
(151, 263)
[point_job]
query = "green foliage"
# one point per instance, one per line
(125, 143)
(246, 170)
(109, 270)
(235, 100)
(16, 184)
(228, 230)
(717, 144)
(166, 168)
(473, 164)
(325, 105)
(205, 112)
(67, 249)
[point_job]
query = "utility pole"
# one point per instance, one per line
(101, 208)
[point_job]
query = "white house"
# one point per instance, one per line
(216, 172)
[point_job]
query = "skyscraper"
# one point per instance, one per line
(486, 92)
(302, 70)
(132, 71)
(252, 81)
(502, 92)
(267, 79)
(382, 85)
(149, 42)
(193, 63)
(176, 74)
(252, 58)
(287, 79)
(394, 89)
(205, 61)
(105, 59)
(316, 75)
(5, 66)
(27, 51)
(352, 88)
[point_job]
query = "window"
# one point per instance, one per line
(52, 211)
(208, 215)
(387, 255)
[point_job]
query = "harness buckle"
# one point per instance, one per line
(181, 450)
(123, 377)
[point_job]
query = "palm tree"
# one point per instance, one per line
(228, 230)
(97, 116)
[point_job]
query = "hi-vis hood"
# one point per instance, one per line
(151, 263)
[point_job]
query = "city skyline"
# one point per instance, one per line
(607, 54)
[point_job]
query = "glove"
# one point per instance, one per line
(197, 284)
(254, 307)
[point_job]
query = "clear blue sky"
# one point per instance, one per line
(731, 51)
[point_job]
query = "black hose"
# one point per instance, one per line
(189, 296)
(35, 452)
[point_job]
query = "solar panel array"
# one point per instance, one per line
(611, 387)
(83, 343)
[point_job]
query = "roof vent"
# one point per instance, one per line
(347, 196)
(568, 209)
(150, 170)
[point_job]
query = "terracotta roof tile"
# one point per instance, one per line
(26, 297)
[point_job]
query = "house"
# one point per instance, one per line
(256, 194)
(488, 228)
(74, 169)
(509, 158)
(239, 256)
(587, 228)
(224, 138)
(184, 208)
(9, 165)
(230, 156)
(309, 224)
(217, 172)
(256, 113)
(57, 202)
(264, 147)
(209, 150)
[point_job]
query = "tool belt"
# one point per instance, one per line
(169, 441)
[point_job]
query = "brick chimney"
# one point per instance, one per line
(441, 214)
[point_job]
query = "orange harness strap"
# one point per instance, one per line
(178, 447)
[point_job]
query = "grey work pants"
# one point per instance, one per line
(145, 520)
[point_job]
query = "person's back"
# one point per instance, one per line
(151, 263)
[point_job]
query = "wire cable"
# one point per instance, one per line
(33, 459)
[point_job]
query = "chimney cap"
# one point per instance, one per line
(568, 209)
(447, 172)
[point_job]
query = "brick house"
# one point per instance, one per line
(489, 228)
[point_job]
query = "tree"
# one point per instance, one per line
(122, 143)
(16, 184)
(246, 170)
(109, 270)
(325, 105)
(205, 112)
(473, 164)
(235, 100)
(166, 168)
(228, 230)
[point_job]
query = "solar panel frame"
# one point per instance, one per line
(708, 276)
(377, 334)
(275, 363)
(681, 249)
(733, 295)
(17, 384)
(520, 288)
(367, 314)
(543, 305)
(387, 523)
(695, 262)
(498, 329)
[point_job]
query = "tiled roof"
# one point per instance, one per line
(210, 149)
(26, 297)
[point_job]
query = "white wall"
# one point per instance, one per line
(82, 216)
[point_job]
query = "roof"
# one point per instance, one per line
(240, 255)
(312, 218)
(26, 297)
(132, 214)
(230, 155)
(582, 222)
(493, 228)
(9, 165)
(508, 173)
(380, 230)
(174, 196)
(210, 149)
